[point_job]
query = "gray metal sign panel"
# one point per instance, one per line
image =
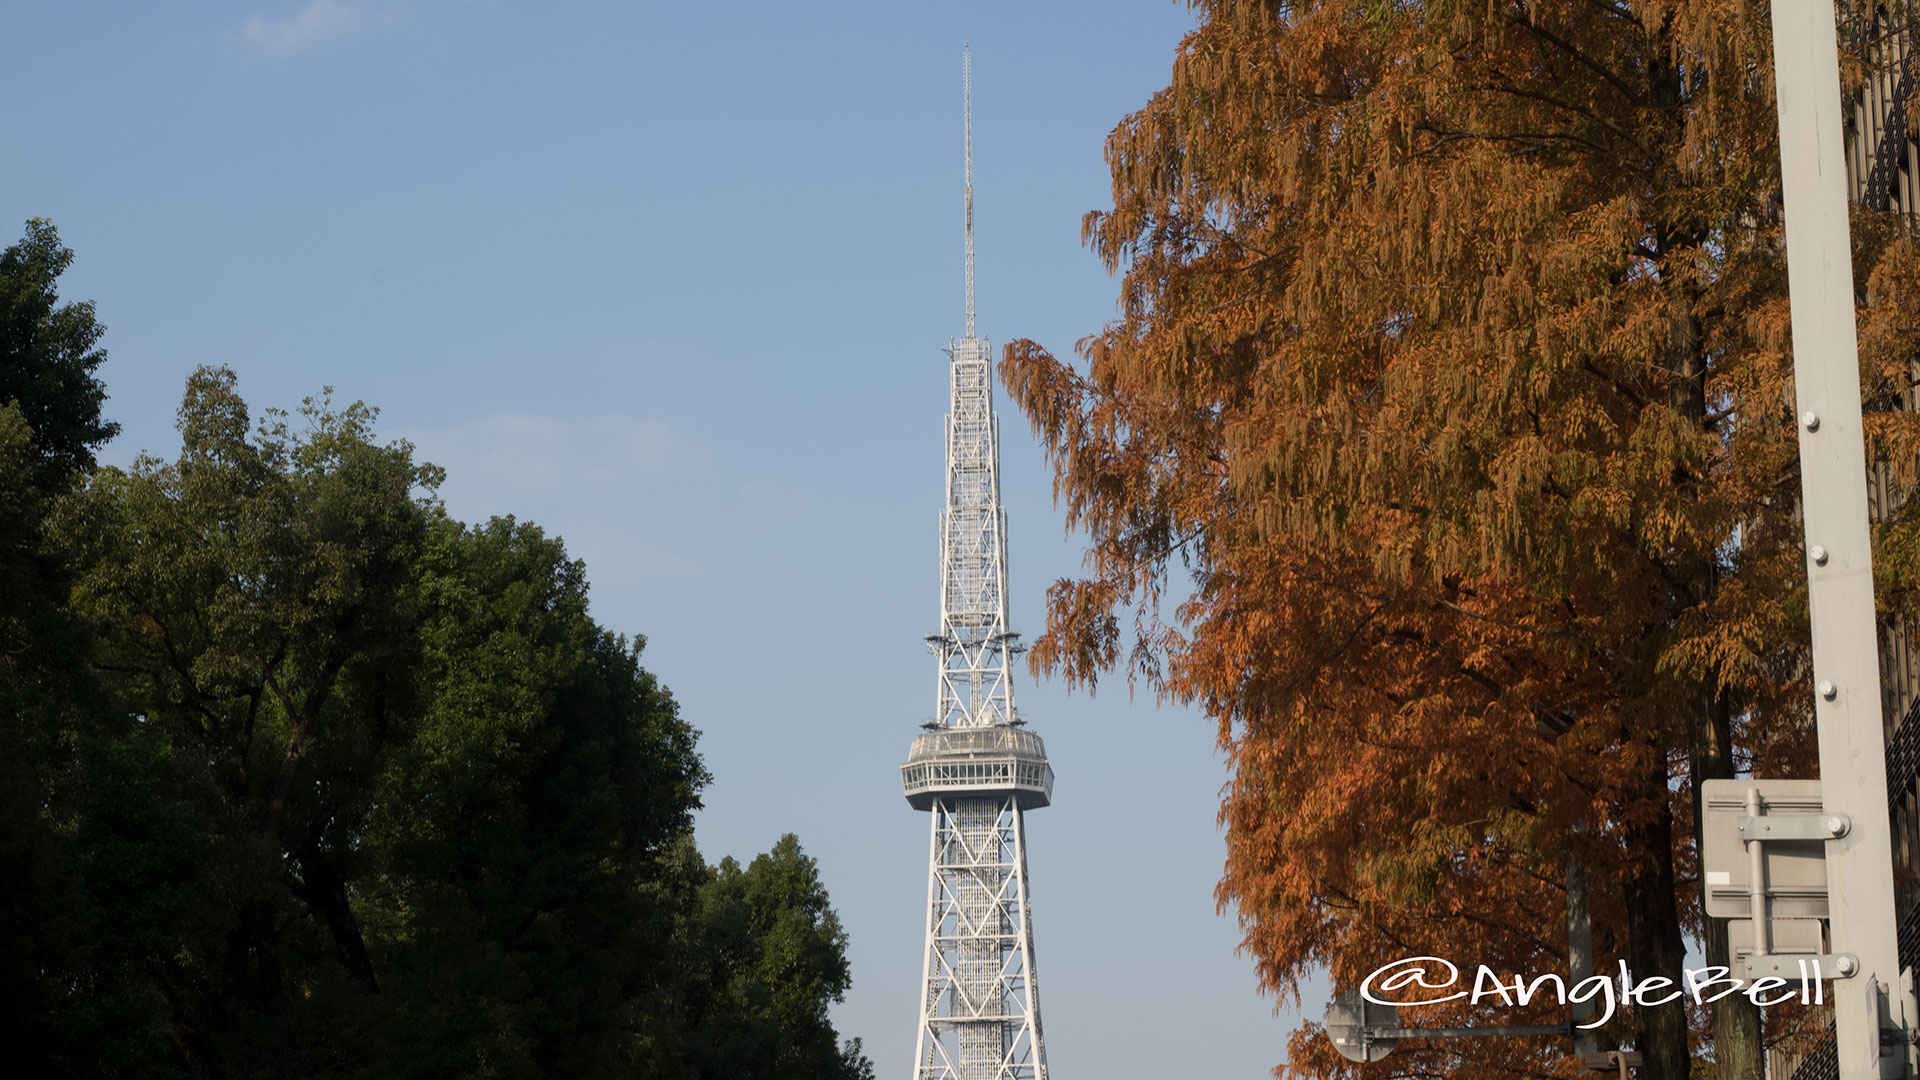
(1795, 870)
(1785, 937)
(1348, 1017)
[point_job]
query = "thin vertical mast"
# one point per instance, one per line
(966, 95)
(976, 767)
(974, 644)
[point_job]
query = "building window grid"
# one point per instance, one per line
(976, 774)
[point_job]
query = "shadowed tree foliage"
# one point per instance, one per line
(761, 954)
(50, 425)
(1452, 360)
(48, 353)
(254, 609)
(513, 844)
(303, 778)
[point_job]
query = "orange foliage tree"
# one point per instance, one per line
(1452, 361)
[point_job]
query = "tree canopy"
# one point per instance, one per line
(301, 777)
(48, 354)
(50, 425)
(1452, 360)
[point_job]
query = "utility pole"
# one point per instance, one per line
(1846, 675)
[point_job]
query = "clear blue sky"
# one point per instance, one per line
(673, 282)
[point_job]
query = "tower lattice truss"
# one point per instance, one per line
(976, 769)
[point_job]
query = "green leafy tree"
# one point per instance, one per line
(38, 901)
(48, 354)
(512, 861)
(366, 792)
(299, 777)
(50, 425)
(253, 603)
(763, 957)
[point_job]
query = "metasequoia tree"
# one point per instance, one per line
(1452, 361)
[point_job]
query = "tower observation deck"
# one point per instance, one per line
(976, 768)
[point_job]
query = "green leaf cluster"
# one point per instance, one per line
(301, 777)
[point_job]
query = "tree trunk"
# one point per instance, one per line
(187, 1041)
(252, 943)
(1654, 945)
(266, 949)
(325, 891)
(1737, 1052)
(233, 977)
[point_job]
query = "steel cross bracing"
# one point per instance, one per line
(980, 1004)
(974, 647)
(976, 769)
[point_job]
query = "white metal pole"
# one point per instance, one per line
(1756, 879)
(1036, 1042)
(1846, 673)
(922, 1053)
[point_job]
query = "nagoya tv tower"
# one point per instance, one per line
(975, 768)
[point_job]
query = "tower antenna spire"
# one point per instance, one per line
(966, 94)
(976, 766)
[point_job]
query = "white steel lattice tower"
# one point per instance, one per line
(976, 769)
